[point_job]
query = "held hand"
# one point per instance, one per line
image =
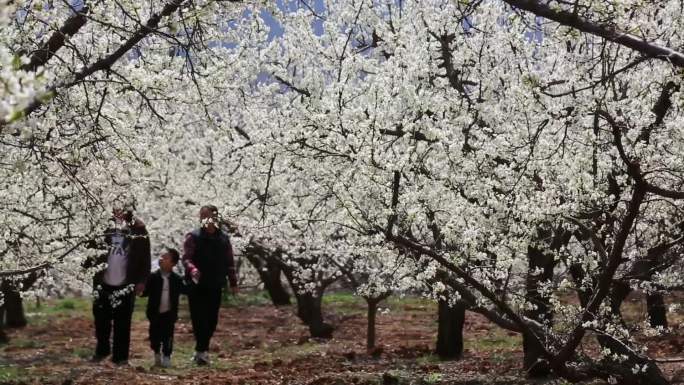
(139, 288)
(195, 275)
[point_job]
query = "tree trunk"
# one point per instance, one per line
(657, 311)
(618, 294)
(269, 272)
(309, 308)
(370, 330)
(3, 337)
(309, 311)
(14, 308)
(537, 259)
(372, 307)
(450, 330)
(274, 285)
(653, 375)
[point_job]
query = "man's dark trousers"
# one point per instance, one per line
(161, 333)
(204, 309)
(114, 314)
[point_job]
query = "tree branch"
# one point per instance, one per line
(45, 265)
(106, 62)
(71, 26)
(605, 31)
(300, 91)
(392, 220)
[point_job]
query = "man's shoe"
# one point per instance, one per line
(97, 358)
(201, 358)
(166, 362)
(121, 363)
(158, 361)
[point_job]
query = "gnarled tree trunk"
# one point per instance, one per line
(309, 310)
(652, 375)
(270, 273)
(309, 307)
(13, 305)
(14, 309)
(451, 319)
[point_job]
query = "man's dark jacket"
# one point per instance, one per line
(153, 290)
(138, 262)
(212, 255)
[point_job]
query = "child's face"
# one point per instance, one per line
(166, 263)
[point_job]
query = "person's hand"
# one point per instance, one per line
(139, 288)
(235, 290)
(195, 275)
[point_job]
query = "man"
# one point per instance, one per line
(208, 259)
(127, 265)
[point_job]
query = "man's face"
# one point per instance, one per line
(166, 263)
(118, 214)
(207, 220)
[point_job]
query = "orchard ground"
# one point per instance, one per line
(257, 343)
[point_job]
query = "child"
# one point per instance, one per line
(163, 289)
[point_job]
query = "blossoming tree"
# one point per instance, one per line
(508, 148)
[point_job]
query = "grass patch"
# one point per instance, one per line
(348, 302)
(139, 309)
(82, 352)
(67, 307)
(25, 343)
(12, 373)
(433, 378)
(293, 351)
(428, 359)
(250, 298)
(495, 340)
(342, 298)
(409, 303)
(67, 304)
(344, 302)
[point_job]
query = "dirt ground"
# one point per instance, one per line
(257, 343)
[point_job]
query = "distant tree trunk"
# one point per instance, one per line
(274, 285)
(372, 311)
(13, 304)
(540, 270)
(657, 312)
(270, 273)
(3, 337)
(370, 329)
(451, 320)
(14, 309)
(618, 294)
